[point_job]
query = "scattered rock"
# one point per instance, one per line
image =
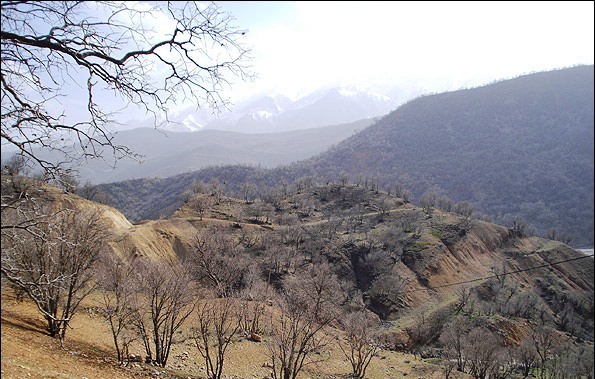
(134, 358)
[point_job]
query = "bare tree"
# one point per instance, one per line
(428, 202)
(277, 258)
(52, 260)
(19, 208)
(218, 323)
(196, 188)
(117, 302)
(216, 262)
(316, 290)
(445, 203)
(452, 339)
(50, 49)
(67, 182)
(521, 228)
(16, 165)
(544, 343)
(273, 198)
(427, 325)
(309, 305)
(217, 190)
(88, 191)
(166, 300)
(362, 339)
(343, 178)
(465, 209)
(503, 291)
(252, 301)
(251, 313)
(464, 300)
(481, 349)
(248, 192)
(554, 234)
(384, 207)
(201, 204)
(525, 356)
(386, 290)
(259, 209)
(295, 337)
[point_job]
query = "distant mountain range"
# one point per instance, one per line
(172, 153)
(277, 113)
(522, 147)
(266, 131)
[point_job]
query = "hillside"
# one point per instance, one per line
(397, 260)
(517, 148)
(429, 251)
(521, 147)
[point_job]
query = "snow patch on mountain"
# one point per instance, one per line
(274, 113)
(262, 114)
(191, 124)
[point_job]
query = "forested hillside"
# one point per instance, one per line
(519, 148)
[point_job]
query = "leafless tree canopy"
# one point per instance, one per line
(52, 261)
(218, 323)
(362, 340)
(217, 263)
(165, 300)
(295, 338)
(150, 58)
(117, 288)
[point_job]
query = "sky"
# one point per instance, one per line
(409, 48)
(298, 47)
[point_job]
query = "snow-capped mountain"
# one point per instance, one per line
(265, 114)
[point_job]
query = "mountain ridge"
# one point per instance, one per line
(278, 113)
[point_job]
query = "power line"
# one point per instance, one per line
(499, 275)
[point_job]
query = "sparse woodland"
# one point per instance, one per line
(318, 276)
(310, 267)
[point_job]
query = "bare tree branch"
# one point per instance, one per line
(147, 58)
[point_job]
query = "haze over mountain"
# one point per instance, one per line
(278, 113)
(520, 147)
(171, 153)
(265, 131)
(517, 148)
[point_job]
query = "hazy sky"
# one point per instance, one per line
(416, 47)
(438, 46)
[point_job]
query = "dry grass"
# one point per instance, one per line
(29, 352)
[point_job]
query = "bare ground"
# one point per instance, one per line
(29, 352)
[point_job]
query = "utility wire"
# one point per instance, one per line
(498, 275)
